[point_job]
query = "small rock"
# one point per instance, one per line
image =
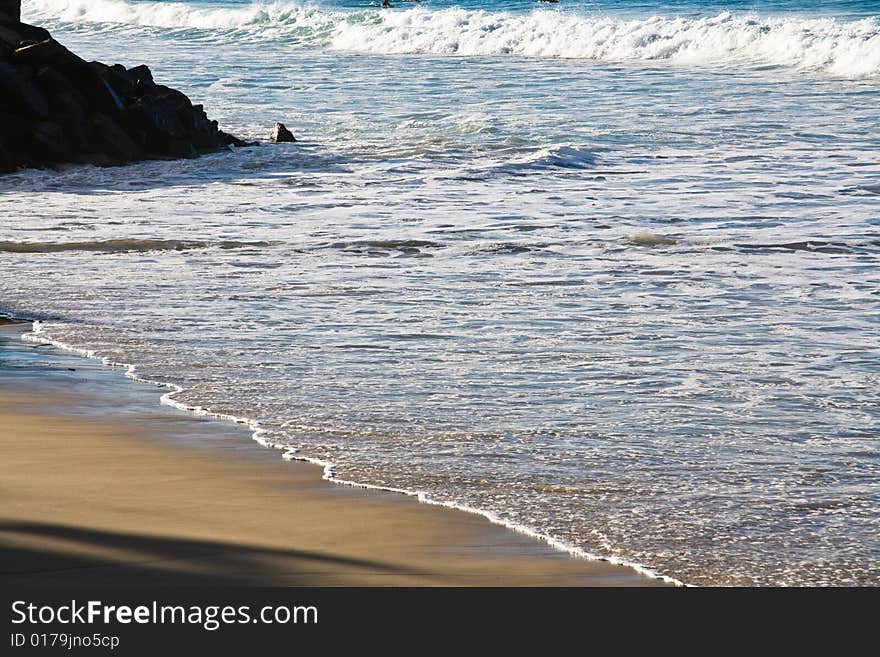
(281, 134)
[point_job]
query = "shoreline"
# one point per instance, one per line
(127, 497)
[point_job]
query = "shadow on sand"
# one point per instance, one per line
(39, 554)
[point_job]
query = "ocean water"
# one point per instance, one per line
(605, 271)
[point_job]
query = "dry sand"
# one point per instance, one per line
(99, 493)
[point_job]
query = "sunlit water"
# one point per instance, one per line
(605, 270)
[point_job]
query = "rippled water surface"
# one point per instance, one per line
(618, 284)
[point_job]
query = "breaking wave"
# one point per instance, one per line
(840, 47)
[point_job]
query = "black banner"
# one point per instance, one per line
(221, 621)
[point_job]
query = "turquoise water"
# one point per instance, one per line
(606, 271)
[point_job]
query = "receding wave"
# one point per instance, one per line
(551, 158)
(817, 246)
(841, 47)
(120, 246)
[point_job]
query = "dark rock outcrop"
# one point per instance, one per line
(57, 108)
(280, 134)
(10, 10)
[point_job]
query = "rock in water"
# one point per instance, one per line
(281, 134)
(651, 239)
(57, 108)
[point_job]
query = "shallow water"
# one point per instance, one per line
(617, 284)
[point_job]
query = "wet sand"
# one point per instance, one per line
(101, 485)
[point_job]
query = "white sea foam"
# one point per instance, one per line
(160, 14)
(39, 335)
(846, 48)
(841, 48)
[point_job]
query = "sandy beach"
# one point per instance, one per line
(103, 486)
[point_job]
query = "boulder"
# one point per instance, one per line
(15, 131)
(16, 34)
(154, 124)
(114, 140)
(18, 91)
(55, 107)
(280, 134)
(7, 163)
(13, 124)
(174, 98)
(62, 95)
(232, 140)
(49, 141)
(116, 82)
(142, 76)
(10, 9)
(46, 52)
